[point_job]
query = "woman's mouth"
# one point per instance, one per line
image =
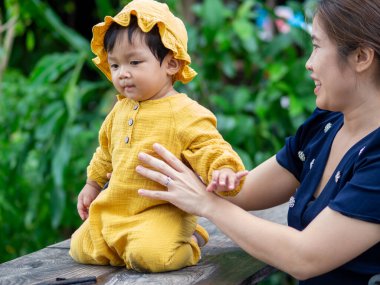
(317, 87)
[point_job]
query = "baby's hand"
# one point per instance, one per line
(225, 179)
(88, 194)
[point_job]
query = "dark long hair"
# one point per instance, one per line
(351, 24)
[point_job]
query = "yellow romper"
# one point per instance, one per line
(124, 228)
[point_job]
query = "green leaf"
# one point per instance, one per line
(32, 210)
(30, 41)
(50, 116)
(245, 31)
(245, 9)
(213, 14)
(277, 71)
(51, 67)
(228, 65)
(72, 95)
(226, 123)
(6, 205)
(243, 28)
(220, 101)
(277, 45)
(69, 35)
(245, 157)
(241, 98)
(60, 160)
(103, 7)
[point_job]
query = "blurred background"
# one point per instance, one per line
(249, 55)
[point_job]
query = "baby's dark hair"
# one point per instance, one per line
(152, 38)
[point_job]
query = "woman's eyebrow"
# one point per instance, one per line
(314, 38)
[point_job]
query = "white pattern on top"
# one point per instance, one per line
(327, 127)
(337, 176)
(301, 155)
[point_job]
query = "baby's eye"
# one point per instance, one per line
(114, 66)
(135, 62)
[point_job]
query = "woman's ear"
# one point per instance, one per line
(364, 57)
(173, 65)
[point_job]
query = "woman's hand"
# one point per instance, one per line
(185, 189)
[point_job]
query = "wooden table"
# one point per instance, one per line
(223, 262)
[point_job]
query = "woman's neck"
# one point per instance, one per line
(364, 119)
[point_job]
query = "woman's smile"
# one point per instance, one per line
(317, 87)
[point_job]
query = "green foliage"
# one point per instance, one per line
(52, 104)
(45, 135)
(259, 89)
(49, 122)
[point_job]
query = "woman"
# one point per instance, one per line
(329, 171)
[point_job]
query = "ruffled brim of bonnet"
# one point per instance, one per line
(149, 13)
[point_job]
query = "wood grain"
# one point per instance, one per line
(223, 262)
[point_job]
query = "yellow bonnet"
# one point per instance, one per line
(148, 13)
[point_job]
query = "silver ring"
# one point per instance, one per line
(168, 180)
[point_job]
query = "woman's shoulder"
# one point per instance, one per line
(323, 117)
(370, 148)
(320, 121)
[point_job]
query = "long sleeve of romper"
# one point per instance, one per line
(101, 162)
(204, 147)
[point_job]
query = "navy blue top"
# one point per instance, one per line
(353, 189)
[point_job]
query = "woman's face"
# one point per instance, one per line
(334, 80)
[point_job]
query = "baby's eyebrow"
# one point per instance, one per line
(126, 54)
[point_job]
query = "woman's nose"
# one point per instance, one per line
(308, 65)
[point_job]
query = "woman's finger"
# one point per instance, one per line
(170, 158)
(157, 164)
(157, 195)
(153, 175)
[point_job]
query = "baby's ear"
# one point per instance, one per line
(173, 65)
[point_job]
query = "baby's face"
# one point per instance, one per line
(136, 72)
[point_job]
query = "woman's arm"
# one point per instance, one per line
(267, 185)
(321, 247)
(330, 241)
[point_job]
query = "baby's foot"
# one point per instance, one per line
(198, 239)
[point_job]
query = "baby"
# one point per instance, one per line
(143, 51)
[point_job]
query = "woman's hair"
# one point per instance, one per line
(351, 24)
(152, 38)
